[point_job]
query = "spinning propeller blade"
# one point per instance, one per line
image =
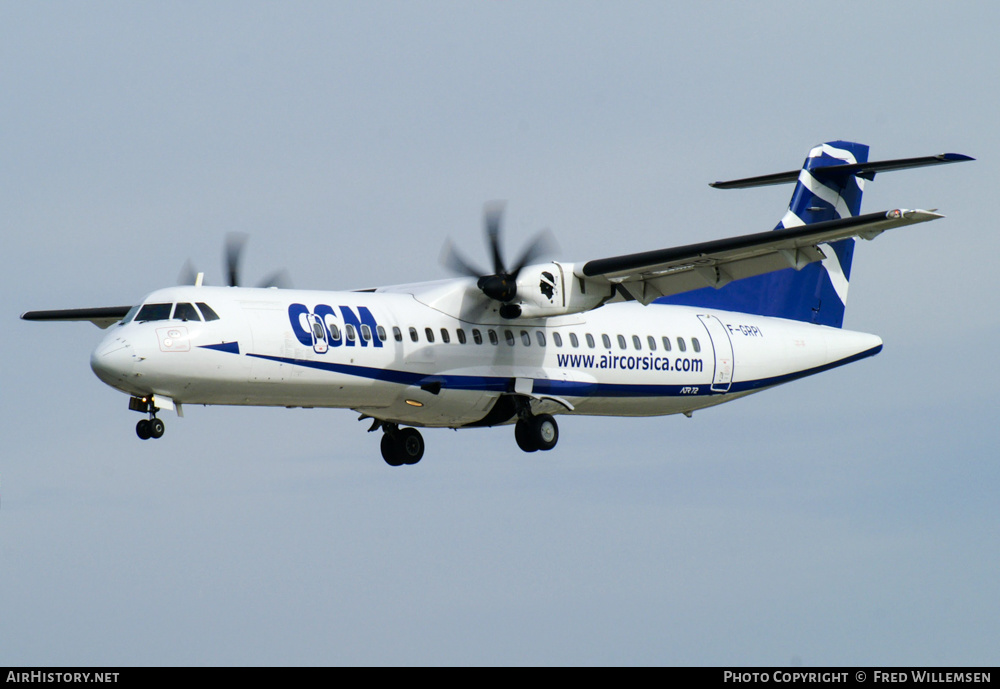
(232, 260)
(501, 285)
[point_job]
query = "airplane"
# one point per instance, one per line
(668, 331)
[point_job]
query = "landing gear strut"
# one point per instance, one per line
(401, 445)
(536, 432)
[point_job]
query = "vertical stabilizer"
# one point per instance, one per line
(829, 186)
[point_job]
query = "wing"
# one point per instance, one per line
(652, 274)
(102, 317)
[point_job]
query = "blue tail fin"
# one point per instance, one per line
(818, 292)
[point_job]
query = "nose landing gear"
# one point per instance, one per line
(147, 428)
(150, 428)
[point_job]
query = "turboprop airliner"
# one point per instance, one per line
(668, 331)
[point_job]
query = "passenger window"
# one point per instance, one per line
(397, 334)
(680, 344)
(574, 340)
(621, 342)
(637, 343)
(154, 312)
(207, 312)
(525, 338)
(381, 333)
(429, 333)
(319, 331)
(493, 337)
(334, 331)
(351, 336)
(413, 335)
(696, 344)
(666, 343)
(477, 336)
(606, 341)
(590, 341)
(651, 341)
(366, 333)
(461, 335)
(557, 338)
(445, 337)
(186, 312)
(509, 336)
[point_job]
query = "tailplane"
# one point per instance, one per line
(828, 187)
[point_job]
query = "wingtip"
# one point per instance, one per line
(915, 214)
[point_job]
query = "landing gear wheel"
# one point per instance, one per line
(403, 446)
(546, 432)
(389, 450)
(410, 445)
(537, 433)
(523, 435)
(156, 428)
(143, 430)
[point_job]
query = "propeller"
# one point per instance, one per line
(501, 285)
(235, 243)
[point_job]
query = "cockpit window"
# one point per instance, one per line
(185, 312)
(154, 312)
(207, 312)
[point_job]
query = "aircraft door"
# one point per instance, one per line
(722, 346)
(318, 331)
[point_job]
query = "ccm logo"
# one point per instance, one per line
(319, 328)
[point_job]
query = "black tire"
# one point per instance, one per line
(524, 435)
(143, 430)
(410, 445)
(156, 428)
(390, 450)
(545, 431)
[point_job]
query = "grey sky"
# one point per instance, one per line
(849, 518)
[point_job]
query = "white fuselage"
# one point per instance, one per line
(402, 356)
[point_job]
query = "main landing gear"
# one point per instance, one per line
(534, 433)
(401, 445)
(406, 446)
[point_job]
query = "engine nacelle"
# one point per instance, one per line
(552, 289)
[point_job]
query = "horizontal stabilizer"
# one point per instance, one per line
(863, 170)
(102, 317)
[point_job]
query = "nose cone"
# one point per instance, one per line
(113, 361)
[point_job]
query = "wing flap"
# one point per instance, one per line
(653, 274)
